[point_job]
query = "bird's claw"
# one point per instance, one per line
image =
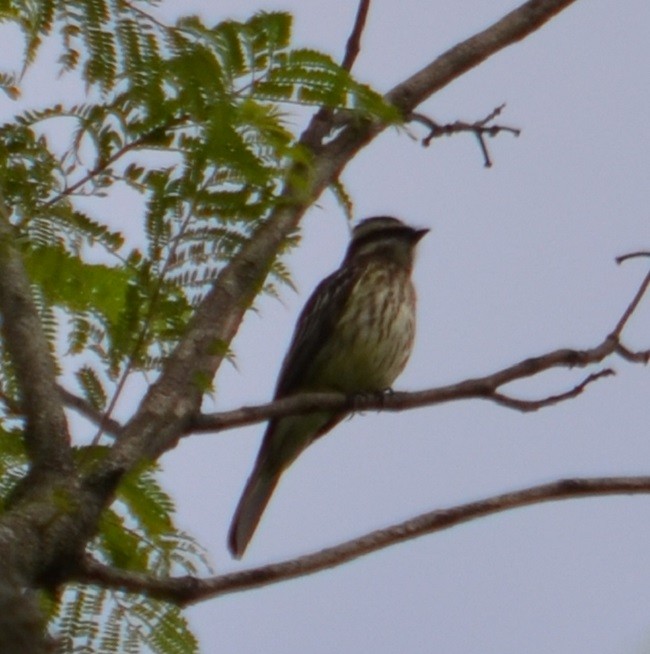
(359, 399)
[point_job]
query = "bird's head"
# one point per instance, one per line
(384, 236)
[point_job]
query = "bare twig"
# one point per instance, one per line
(632, 255)
(479, 128)
(631, 308)
(534, 405)
(322, 121)
(633, 357)
(190, 590)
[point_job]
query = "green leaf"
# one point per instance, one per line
(147, 503)
(92, 387)
(343, 198)
(69, 282)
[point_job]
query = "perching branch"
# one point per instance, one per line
(482, 388)
(190, 590)
(486, 388)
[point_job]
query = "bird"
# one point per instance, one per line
(354, 336)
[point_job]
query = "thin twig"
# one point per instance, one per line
(632, 255)
(322, 121)
(633, 357)
(534, 405)
(631, 308)
(97, 170)
(142, 142)
(479, 128)
(353, 46)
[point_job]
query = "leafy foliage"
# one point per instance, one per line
(205, 99)
(188, 122)
(137, 534)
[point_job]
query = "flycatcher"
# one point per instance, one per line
(354, 335)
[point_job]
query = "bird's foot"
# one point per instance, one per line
(358, 400)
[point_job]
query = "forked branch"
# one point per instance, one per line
(480, 129)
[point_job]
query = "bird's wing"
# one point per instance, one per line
(286, 437)
(314, 327)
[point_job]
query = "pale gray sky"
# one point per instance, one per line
(519, 262)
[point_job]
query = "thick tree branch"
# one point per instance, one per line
(22, 628)
(46, 432)
(189, 590)
(513, 27)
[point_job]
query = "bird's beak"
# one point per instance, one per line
(419, 233)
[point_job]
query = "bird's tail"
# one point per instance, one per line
(256, 496)
(283, 441)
